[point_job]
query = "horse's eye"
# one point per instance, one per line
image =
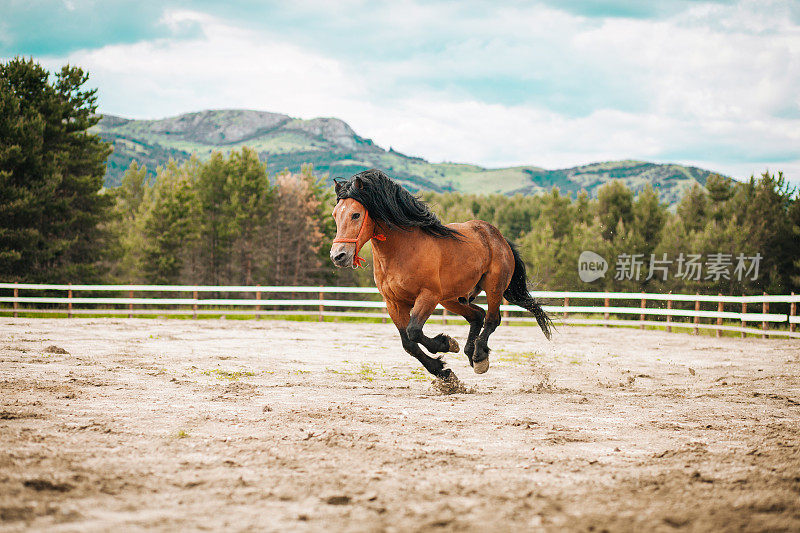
(355, 216)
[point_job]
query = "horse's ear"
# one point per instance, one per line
(337, 185)
(358, 183)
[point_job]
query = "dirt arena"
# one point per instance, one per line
(271, 425)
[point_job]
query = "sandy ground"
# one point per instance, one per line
(272, 425)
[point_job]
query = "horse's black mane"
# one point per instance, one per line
(388, 202)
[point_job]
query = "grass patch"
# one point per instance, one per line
(365, 371)
(181, 434)
(513, 357)
(369, 372)
(229, 375)
(418, 375)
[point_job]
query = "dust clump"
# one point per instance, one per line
(56, 349)
(43, 484)
(545, 385)
(8, 415)
(338, 500)
(451, 386)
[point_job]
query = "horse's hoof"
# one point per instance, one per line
(447, 375)
(453, 344)
(481, 367)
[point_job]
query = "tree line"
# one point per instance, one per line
(727, 237)
(222, 222)
(226, 221)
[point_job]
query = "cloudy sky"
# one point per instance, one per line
(552, 83)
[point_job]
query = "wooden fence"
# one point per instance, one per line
(685, 311)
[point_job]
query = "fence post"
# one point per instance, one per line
(321, 306)
(566, 304)
(505, 313)
(194, 304)
(669, 317)
(130, 305)
(16, 304)
(444, 317)
(606, 315)
(258, 307)
(642, 315)
(792, 312)
(69, 301)
(720, 308)
(696, 317)
(744, 324)
(765, 324)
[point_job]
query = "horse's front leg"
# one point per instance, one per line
(400, 315)
(421, 312)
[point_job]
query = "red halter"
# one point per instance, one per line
(359, 261)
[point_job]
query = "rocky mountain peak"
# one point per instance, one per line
(332, 129)
(217, 127)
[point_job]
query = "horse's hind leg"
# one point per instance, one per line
(474, 316)
(481, 356)
(400, 314)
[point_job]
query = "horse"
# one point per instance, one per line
(418, 262)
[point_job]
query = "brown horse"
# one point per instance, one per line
(420, 262)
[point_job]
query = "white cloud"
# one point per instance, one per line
(718, 84)
(225, 67)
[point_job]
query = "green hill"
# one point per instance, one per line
(335, 149)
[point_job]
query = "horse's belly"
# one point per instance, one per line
(460, 275)
(464, 286)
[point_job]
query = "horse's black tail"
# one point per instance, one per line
(517, 293)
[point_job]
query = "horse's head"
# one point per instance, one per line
(354, 228)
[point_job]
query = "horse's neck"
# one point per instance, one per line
(397, 241)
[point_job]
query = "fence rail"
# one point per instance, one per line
(772, 324)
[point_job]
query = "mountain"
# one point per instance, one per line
(335, 149)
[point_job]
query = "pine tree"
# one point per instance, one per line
(761, 210)
(251, 199)
(614, 206)
(649, 216)
(557, 210)
(127, 242)
(169, 228)
(215, 225)
(51, 175)
(583, 213)
(693, 208)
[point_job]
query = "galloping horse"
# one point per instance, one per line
(420, 262)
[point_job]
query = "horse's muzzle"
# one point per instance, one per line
(340, 257)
